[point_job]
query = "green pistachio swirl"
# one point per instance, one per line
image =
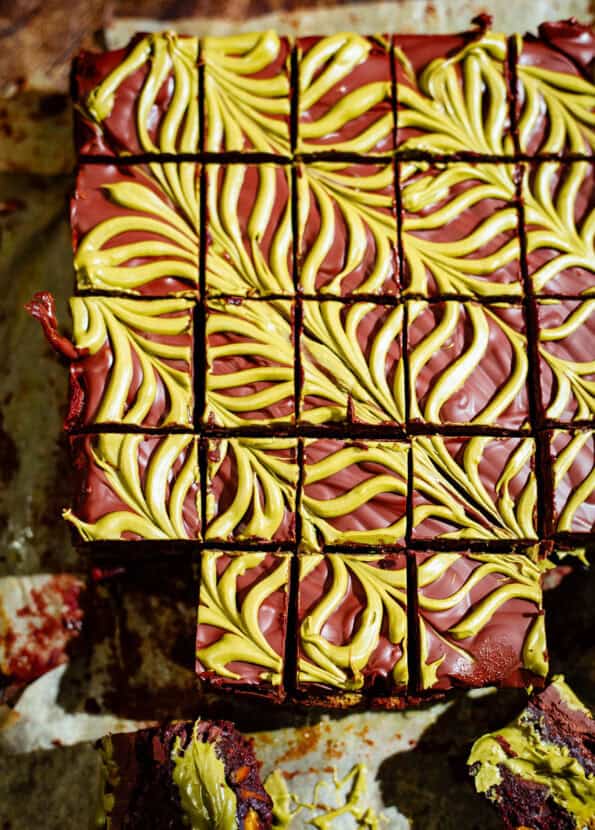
(244, 111)
(454, 492)
(519, 578)
(318, 515)
(346, 377)
(104, 261)
(242, 639)
(342, 665)
(357, 206)
(236, 262)
(154, 505)
(328, 64)
(124, 326)
(583, 491)
(264, 486)
(267, 344)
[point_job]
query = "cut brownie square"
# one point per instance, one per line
(354, 492)
(453, 93)
(572, 456)
(559, 216)
(475, 487)
(352, 625)
(138, 100)
(460, 230)
(480, 620)
(135, 487)
(135, 229)
(251, 489)
(347, 227)
(345, 89)
(242, 622)
(131, 361)
(555, 96)
(352, 363)
(566, 333)
(249, 248)
(467, 364)
(247, 93)
(250, 362)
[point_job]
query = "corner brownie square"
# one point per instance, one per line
(453, 93)
(353, 492)
(467, 364)
(480, 620)
(572, 458)
(345, 94)
(247, 93)
(473, 488)
(251, 489)
(249, 248)
(352, 363)
(566, 333)
(135, 487)
(242, 622)
(352, 625)
(347, 225)
(142, 99)
(460, 230)
(135, 229)
(250, 363)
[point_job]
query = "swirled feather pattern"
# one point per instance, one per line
(573, 458)
(480, 620)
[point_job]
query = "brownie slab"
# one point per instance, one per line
(572, 458)
(242, 622)
(249, 250)
(480, 620)
(460, 229)
(354, 492)
(474, 488)
(139, 100)
(467, 364)
(135, 487)
(566, 332)
(250, 363)
(352, 625)
(344, 99)
(247, 93)
(539, 771)
(453, 93)
(251, 489)
(135, 229)
(352, 363)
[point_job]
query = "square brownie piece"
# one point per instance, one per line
(566, 333)
(555, 95)
(135, 229)
(354, 492)
(242, 622)
(247, 93)
(467, 364)
(473, 488)
(352, 625)
(352, 363)
(251, 489)
(142, 99)
(480, 620)
(559, 227)
(250, 363)
(347, 226)
(460, 230)
(345, 95)
(453, 93)
(135, 487)
(572, 458)
(249, 250)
